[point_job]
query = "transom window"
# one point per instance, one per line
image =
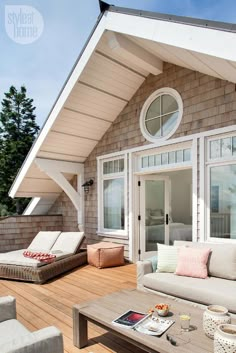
(114, 166)
(222, 148)
(161, 114)
(172, 157)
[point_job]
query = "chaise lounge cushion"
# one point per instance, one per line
(44, 241)
(206, 291)
(17, 258)
(68, 242)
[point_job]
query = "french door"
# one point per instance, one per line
(154, 212)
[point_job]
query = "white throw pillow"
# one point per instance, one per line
(166, 258)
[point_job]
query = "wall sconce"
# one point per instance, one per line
(86, 185)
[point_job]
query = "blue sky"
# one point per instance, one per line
(44, 65)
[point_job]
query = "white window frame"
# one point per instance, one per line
(101, 177)
(219, 159)
(165, 149)
(192, 144)
(168, 91)
(211, 163)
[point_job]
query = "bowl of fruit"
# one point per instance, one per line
(162, 309)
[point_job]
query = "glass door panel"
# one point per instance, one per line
(223, 202)
(154, 214)
(154, 205)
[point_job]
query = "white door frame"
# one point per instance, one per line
(144, 254)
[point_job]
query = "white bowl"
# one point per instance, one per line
(162, 312)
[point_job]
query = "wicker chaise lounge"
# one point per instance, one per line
(66, 247)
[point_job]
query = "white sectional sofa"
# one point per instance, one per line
(218, 288)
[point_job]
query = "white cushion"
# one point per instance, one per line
(166, 258)
(18, 259)
(68, 242)
(11, 329)
(43, 241)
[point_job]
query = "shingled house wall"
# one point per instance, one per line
(208, 102)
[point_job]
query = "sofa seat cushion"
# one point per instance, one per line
(10, 329)
(17, 258)
(207, 291)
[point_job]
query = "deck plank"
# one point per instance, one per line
(40, 306)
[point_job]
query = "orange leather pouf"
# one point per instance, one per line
(105, 254)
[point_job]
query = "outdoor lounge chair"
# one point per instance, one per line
(15, 338)
(65, 246)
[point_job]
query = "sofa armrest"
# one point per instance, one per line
(143, 267)
(7, 308)
(46, 340)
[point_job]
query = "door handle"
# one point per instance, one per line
(167, 219)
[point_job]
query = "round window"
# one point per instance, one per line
(161, 114)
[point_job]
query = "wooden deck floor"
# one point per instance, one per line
(39, 306)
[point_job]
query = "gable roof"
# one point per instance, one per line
(124, 47)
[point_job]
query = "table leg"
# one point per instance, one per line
(80, 329)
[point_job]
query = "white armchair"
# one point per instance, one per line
(15, 338)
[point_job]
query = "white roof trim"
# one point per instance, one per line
(31, 206)
(193, 38)
(59, 104)
(203, 40)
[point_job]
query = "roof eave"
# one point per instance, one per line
(21, 173)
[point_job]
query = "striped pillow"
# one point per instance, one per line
(166, 258)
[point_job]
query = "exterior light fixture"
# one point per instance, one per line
(86, 185)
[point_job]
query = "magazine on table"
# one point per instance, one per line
(143, 323)
(154, 327)
(130, 319)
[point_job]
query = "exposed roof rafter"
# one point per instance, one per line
(134, 53)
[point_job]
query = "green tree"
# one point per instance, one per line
(18, 130)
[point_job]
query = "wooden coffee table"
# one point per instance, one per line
(102, 311)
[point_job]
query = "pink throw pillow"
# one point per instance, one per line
(192, 262)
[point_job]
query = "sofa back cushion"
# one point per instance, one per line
(222, 259)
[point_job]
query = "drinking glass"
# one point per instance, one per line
(185, 321)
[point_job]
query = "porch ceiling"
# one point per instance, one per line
(190, 59)
(110, 70)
